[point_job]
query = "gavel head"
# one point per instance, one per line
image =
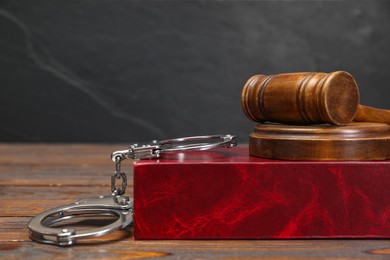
(301, 98)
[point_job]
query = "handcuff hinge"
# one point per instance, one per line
(136, 152)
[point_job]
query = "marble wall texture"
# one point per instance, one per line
(130, 71)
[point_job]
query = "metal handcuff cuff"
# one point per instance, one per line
(116, 205)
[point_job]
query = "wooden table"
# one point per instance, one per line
(36, 177)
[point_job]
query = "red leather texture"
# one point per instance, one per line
(227, 194)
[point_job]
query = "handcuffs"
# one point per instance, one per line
(114, 206)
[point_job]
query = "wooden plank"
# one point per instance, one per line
(13, 223)
(58, 165)
(130, 249)
(22, 194)
(34, 206)
(30, 250)
(40, 149)
(56, 178)
(55, 154)
(31, 200)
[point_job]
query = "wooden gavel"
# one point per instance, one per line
(307, 98)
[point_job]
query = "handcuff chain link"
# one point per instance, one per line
(118, 174)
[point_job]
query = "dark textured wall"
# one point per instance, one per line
(125, 71)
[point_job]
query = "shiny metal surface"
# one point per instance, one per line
(120, 207)
(157, 149)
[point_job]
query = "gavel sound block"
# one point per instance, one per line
(303, 99)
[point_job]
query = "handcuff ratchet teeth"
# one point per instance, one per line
(43, 226)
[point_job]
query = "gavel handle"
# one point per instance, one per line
(370, 114)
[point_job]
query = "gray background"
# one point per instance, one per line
(125, 71)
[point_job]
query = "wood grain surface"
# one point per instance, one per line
(37, 177)
(370, 114)
(356, 141)
(307, 98)
(301, 98)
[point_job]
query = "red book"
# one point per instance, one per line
(228, 194)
